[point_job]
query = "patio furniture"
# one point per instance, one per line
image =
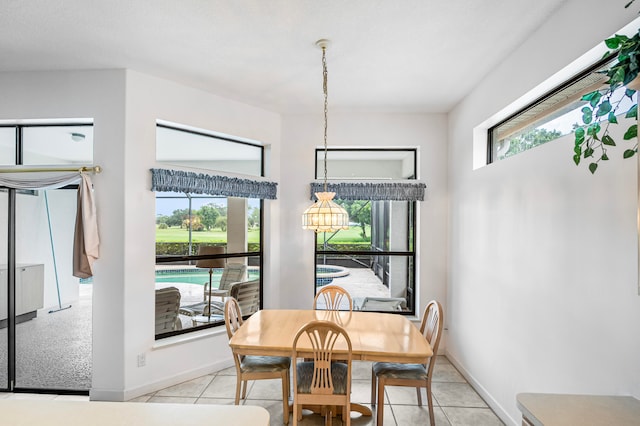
(246, 293)
(320, 381)
(167, 307)
(334, 297)
(414, 375)
(250, 367)
(232, 273)
(381, 304)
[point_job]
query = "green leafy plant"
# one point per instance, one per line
(602, 110)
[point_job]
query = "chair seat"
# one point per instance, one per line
(338, 376)
(400, 371)
(264, 364)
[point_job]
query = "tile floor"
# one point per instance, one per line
(455, 402)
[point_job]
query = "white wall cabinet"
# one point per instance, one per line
(29, 291)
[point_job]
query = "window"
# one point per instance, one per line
(203, 239)
(552, 116)
(374, 260)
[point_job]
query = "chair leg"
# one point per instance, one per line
(238, 385)
(419, 396)
(430, 402)
(380, 411)
(285, 396)
(373, 388)
(295, 413)
(346, 411)
(245, 383)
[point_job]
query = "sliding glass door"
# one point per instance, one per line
(45, 345)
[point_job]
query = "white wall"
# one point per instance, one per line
(125, 106)
(302, 134)
(149, 99)
(543, 283)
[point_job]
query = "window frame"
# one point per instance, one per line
(194, 257)
(410, 253)
(574, 79)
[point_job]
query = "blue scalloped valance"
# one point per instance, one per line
(393, 191)
(164, 180)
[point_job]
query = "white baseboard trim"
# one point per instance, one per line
(128, 394)
(497, 408)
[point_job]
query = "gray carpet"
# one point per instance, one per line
(53, 350)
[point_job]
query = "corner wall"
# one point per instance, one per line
(125, 105)
(543, 282)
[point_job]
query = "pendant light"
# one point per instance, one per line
(325, 215)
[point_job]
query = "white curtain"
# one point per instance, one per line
(86, 239)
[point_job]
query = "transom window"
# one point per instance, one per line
(554, 115)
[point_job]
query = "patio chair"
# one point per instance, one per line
(413, 375)
(249, 367)
(247, 294)
(333, 297)
(382, 304)
(232, 273)
(167, 306)
(320, 381)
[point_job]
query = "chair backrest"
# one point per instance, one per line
(232, 316)
(167, 307)
(431, 328)
(323, 336)
(333, 296)
(232, 273)
(247, 295)
(233, 321)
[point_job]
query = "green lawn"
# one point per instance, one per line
(178, 235)
(347, 236)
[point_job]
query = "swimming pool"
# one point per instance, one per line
(196, 276)
(326, 273)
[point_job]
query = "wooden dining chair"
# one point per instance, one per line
(333, 296)
(413, 375)
(249, 367)
(320, 381)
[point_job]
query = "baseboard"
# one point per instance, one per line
(495, 406)
(128, 394)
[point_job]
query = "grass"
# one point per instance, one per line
(177, 235)
(347, 236)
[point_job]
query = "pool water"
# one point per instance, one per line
(189, 276)
(201, 276)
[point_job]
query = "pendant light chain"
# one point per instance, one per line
(325, 215)
(325, 74)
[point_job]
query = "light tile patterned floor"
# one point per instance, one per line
(455, 402)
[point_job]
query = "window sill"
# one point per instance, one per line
(188, 337)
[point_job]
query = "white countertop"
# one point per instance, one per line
(584, 410)
(22, 412)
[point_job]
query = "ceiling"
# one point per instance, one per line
(385, 55)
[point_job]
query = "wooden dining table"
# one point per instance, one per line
(374, 336)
